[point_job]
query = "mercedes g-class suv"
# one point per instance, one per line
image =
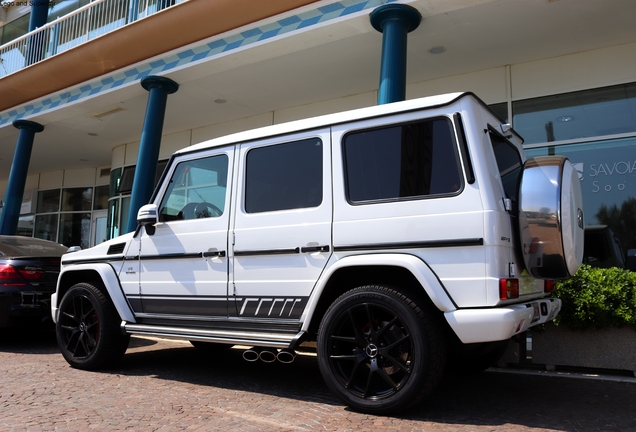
(402, 239)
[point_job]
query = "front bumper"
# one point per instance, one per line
(501, 323)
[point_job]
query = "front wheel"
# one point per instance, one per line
(88, 329)
(379, 351)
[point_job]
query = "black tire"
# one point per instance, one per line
(88, 329)
(471, 363)
(379, 351)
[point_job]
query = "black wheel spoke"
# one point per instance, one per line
(370, 318)
(386, 326)
(360, 339)
(397, 363)
(397, 343)
(385, 376)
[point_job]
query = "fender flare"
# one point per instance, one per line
(412, 263)
(110, 280)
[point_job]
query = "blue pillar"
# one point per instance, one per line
(35, 44)
(394, 21)
(144, 182)
(17, 176)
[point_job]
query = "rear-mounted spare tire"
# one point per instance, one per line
(551, 217)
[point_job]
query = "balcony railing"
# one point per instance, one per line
(86, 23)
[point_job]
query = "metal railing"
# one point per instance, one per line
(83, 24)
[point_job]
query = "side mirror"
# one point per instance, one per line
(74, 249)
(147, 215)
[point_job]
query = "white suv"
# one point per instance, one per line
(402, 239)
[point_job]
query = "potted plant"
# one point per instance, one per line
(596, 327)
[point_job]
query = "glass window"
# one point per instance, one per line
(101, 197)
(48, 201)
(25, 226)
(589, 113)
(15, 29)
(75, 229)
(197, 190)
(607, 170)
(46, 227)
(501, 109)
(509, 164)
(284, 176)
(113, 218)
(115, 180)
(77, 199)
(124, 183)
(402, 162)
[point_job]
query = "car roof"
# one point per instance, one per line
(331, 119)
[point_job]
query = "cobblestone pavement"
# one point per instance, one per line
(170, 386)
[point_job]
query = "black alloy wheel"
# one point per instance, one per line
(88, 329)
(379, 351)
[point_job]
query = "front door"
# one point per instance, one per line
(282, 226)
(184, 262)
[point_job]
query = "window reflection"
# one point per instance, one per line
(584, 114)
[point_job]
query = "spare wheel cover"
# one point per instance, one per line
(551, 217)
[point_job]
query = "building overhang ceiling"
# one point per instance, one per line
(331, 59)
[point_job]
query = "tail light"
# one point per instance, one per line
(508, 289)
(549, 285)
(10, 276)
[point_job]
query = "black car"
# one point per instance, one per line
(29, 268)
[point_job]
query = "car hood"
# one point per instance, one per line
(108, 249)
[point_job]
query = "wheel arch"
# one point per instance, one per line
(406, 272)
(103, 277)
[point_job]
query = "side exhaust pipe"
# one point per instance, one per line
(268, 355)
(286, 355)
(252, 354)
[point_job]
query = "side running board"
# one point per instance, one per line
(273, 340)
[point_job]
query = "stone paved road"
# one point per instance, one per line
(170, 386)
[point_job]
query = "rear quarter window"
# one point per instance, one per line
(403, 162)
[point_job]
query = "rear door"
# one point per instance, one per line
(282, 226)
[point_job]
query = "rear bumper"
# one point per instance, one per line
(20, 309)
(501, 323)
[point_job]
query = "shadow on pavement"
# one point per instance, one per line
(490, 398)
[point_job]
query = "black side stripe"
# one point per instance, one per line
(412, 245)
(172, 256)
(267, 252)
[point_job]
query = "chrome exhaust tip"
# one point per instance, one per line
(286, 355)
(268, 355)
(251, 355)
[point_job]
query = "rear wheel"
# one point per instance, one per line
(378, 351)
(88, 329)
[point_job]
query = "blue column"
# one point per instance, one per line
(35, 44)
(394, 21)
(144, 182)
(18, 175)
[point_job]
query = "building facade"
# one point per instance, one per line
(562, 72)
